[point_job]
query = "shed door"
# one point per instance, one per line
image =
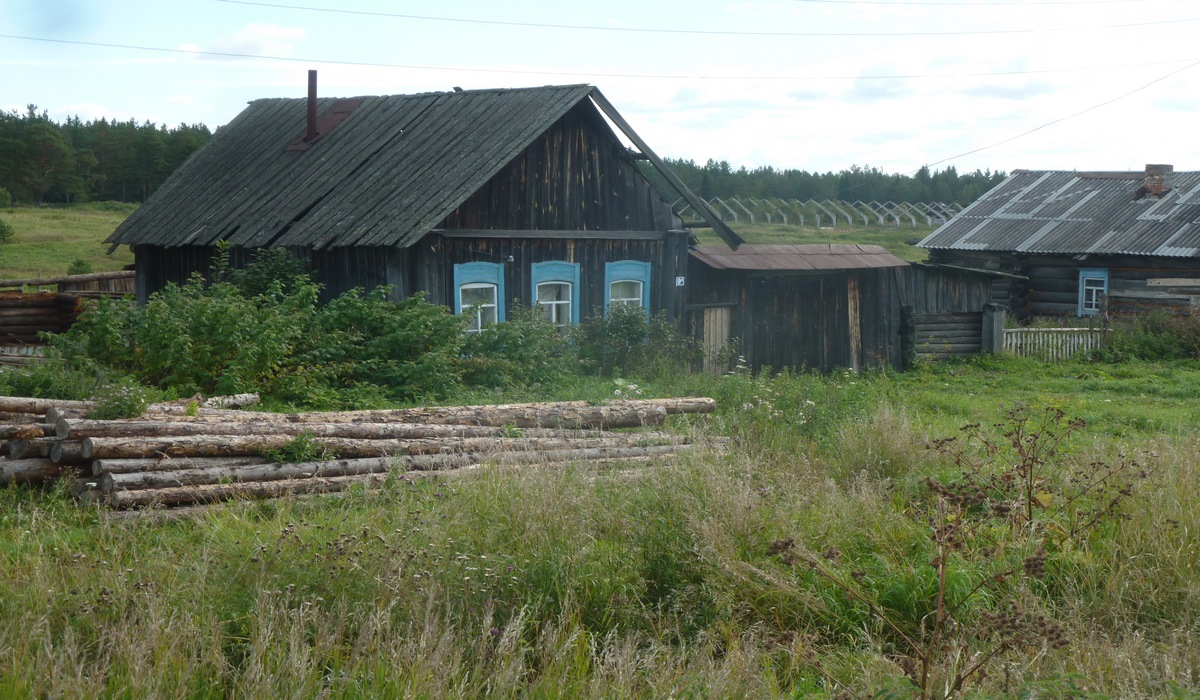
(716, 337)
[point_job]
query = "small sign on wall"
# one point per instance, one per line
(679, 281)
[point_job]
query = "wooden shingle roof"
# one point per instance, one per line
(391, 169)
(1065, 212)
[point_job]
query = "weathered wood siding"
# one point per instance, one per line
(573, 178)
(837, 319)
(339, 269)
(435, 257)
(1136, 284)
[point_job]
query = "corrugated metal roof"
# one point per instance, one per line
(1065, 212)
(392, 170)
(781, 258)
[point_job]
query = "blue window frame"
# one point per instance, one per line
(627, 282)
(479, 293)
(1093, 288)
(555, 291)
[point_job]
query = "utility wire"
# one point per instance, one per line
(585, 73)
(1069, 116)
(704, 32)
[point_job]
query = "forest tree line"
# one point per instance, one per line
(45, 162)
(719, 179)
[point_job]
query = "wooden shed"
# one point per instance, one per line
(1067, 243)
(479, 198)
(806, 307)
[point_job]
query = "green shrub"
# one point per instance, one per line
(79, 266)
(1157, 336)
(525, 350)
(5, 199)
(7, 232)
(123, 398)
(624, 341)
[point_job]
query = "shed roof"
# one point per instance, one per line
(1066, 212)
(792, 258)
(391, 169)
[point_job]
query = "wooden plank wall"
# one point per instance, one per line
(435, 257)
(571, 178)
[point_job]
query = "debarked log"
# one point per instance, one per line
(342, 467)
(212, 493)
(77, 428)
(235, 445)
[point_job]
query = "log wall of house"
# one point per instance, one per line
(572, 178)
(1136, 284)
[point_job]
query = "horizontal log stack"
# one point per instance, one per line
(176, 454)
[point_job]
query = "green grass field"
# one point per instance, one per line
(49, 239)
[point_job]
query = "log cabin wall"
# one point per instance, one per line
(1136, 284)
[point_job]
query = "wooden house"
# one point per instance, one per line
(481, 199)
(1082, 243)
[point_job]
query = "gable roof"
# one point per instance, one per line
(1052, 211)
(792, 258)
(391, 168)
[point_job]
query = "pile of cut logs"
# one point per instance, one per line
(177, 454)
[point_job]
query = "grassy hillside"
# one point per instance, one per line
(49, 239)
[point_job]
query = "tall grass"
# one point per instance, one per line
(626, 581)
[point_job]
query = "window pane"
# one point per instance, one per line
(625, 292)
(554, 302)
(478, 301)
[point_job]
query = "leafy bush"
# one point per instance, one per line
(360, 350)
(124, 398)
(5, 199)
(7, 232)
(1157, 336)
(624, 341)
(524, 350)
(79, 266)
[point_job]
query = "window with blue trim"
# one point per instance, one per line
(1093, 289)
(627, 283)
(479, 293)
(555, 292)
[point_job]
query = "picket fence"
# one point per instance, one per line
(1052, 344)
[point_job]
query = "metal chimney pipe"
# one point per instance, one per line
(311, 133)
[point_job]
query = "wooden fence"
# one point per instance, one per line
(1052, 344)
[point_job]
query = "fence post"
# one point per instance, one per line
(992, 333)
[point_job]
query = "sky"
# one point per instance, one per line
(816, 85)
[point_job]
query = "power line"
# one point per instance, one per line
(703, 32)
(650, 76)
(1069, 116)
